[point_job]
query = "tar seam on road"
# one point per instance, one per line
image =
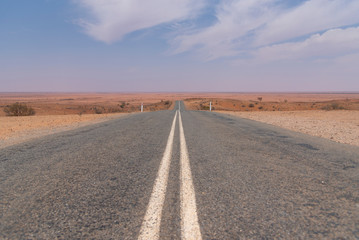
(150, 228)
(189, 220)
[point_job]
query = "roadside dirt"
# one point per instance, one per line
(340, 126)
(15, 130)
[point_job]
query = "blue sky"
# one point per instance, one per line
(179, 45)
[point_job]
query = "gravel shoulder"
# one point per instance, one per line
(339, 126)
(14, 130)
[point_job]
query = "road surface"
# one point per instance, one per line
(179, 175)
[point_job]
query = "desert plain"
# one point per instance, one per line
(334, 116)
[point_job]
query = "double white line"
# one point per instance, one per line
(189, 221)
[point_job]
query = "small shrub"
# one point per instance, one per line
(98, 111)
(167, 102)
(204, 107)
(18, 109)
(251, 105)
(333, 106)
(260, 99)
(260, 107)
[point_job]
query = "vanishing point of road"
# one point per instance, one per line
(179, 175)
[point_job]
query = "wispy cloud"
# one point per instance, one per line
(263, 30)
(330, 44)
(111, 20)
(249, 28)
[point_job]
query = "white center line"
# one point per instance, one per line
(150, 228)
(189, 221)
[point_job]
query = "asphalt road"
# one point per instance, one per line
(223, 178)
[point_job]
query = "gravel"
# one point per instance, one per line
(339, 126)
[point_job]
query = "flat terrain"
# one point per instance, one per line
(301, 112)
(274, 102)
(85, 103)
(57, 112)
(340, 125)
(248, 180)
(19, 129)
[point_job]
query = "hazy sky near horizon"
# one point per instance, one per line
(179, 45)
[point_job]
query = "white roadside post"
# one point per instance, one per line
(210, 106)
(141, 107)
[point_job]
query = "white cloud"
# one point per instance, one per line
(243, 26)
(310, 17)
(111, 20)
(263, 30)
(332, 43)
(236, 21)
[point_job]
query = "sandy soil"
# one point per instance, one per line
(340, 126)
(15, 130)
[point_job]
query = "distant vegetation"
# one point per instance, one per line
(204, 107)
(259, 104)
(333, 106)
(18, 109)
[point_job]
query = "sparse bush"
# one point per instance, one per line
(251, 105)
(167, 102)
(260, 107)
(260, 99)
(123, 105)
(333, 106)
(98, 110)
(18, 109)
(204, 107)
